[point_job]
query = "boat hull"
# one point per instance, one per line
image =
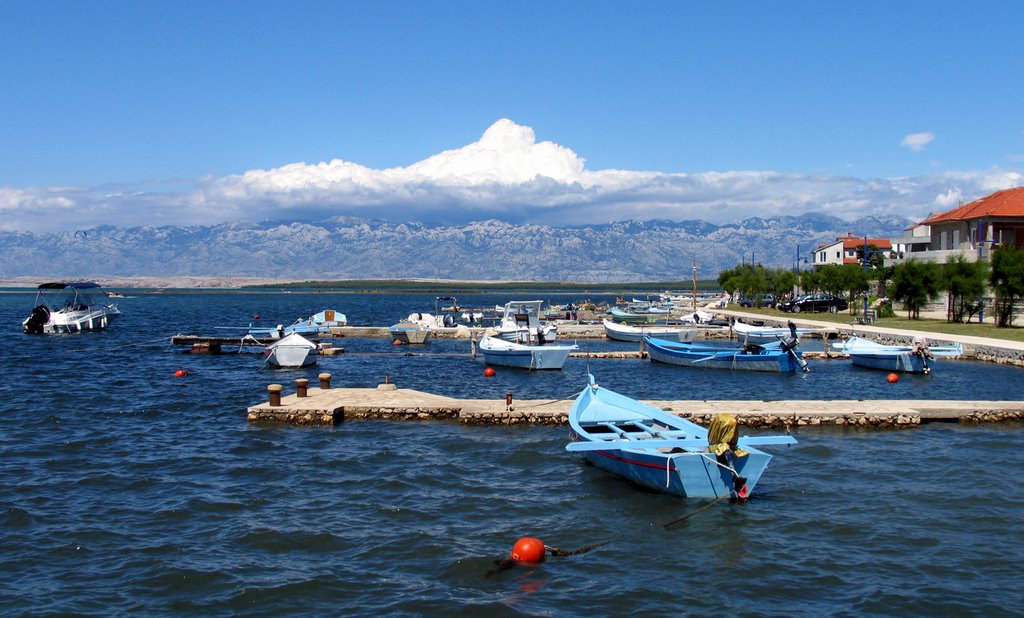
(506, 354)
(899, 362)
(626, 332)
(292, 351)
(409, 333)
(690, 475)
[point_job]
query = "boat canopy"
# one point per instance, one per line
(60, 285)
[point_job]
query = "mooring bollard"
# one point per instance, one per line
(275, 393)
(325, 381)
(301, 385)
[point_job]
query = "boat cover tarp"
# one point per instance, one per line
(724, 435)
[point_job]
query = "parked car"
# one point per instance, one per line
(761, 300)
(815, 302)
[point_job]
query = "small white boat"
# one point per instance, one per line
(293, 350)
(410, 332)
(916, 358)
(628, 332)
(521, 323)
(69, 307)
(510, 354)
(750, 335)
(314, 326)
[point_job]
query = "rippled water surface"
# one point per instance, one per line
(129, 491)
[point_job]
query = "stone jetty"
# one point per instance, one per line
(325, 405)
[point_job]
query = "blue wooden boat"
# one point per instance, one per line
(781, 356)
(661, 451)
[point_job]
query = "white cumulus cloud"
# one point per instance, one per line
(506, 174)
(917, 141)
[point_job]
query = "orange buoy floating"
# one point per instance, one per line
(256, 317)
(892, 378)
(396, 342)
(489, 372)
(181, 373)
(528, 549)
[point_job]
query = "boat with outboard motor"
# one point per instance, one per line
(69, 307)
(781, 356)
(521, 323)
(663, 452)
(918, 357)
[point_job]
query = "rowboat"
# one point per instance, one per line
(69, 307)
(627, 332)
(765, 334)
(661, 451)
(781, 356)
(916, 358)
(626, 317)
(510, 354)
(409, 332)
(292, 350)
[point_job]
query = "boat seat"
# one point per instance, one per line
(622, 433)
(661, 433)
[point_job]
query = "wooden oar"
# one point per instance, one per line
(613, 445)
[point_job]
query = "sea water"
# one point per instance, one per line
(129, 491)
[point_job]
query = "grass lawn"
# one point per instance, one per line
(988, 329)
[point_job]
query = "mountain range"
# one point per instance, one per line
(353, 248)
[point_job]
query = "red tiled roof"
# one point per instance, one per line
(1005, 203)
(858, 243)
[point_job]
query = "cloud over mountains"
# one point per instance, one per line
(507, 175)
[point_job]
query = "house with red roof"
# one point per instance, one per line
(848, 249)
(970, 229)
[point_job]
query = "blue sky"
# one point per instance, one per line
(128, 113)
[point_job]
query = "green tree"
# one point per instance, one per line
(1007, 279)
(914, 284)
(964, 282)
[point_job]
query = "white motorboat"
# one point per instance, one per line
(521, 323)
(292, 350)
(510, 354)
(69, 307)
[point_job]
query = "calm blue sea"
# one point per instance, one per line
(128, 491)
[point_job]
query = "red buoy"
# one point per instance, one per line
(396, 342)
(181, 373)
(528, 549)
(256, 317)
(489, 372)
(893, 378)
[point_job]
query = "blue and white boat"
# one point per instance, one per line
(510, 354)
(316, 325)
(661, 451)
(918, 357)
(781, 356)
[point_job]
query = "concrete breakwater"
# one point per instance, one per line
(329, 406)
